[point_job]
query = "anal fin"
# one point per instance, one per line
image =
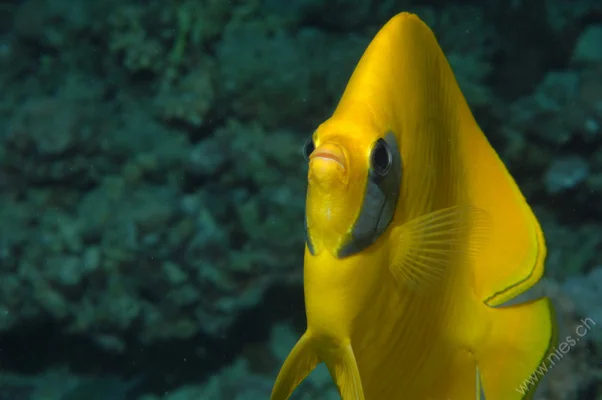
(516, 352)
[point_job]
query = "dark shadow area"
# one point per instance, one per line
(33, 348)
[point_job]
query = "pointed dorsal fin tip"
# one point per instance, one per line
(404, 19)
(404, 45)
(406, 16)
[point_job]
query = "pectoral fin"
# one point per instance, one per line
(429, 244)
(299, 363)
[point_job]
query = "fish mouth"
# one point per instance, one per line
(330, 152)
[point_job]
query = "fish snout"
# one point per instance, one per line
(328, 167)
(329, 152)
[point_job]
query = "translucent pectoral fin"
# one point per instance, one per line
(430, 244)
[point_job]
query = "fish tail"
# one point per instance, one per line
(345, 373)
(300, 362)
(518, 351)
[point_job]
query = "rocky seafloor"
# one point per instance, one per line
(152, 183)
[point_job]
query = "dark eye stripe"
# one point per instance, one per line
(378, 206)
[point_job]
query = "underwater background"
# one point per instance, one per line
(152, 183)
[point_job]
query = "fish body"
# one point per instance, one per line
(416, 235)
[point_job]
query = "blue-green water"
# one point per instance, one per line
(152, 184)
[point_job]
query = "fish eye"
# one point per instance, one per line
(308, 148)
(381, 158)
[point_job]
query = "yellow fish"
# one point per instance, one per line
(415, 234)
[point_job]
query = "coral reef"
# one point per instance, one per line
(153, 185)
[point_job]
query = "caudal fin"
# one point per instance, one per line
(299, 363)
(518, 351)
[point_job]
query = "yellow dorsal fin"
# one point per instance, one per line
(514, 260)
(404, 83)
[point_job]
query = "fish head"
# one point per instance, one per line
(354, 181)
